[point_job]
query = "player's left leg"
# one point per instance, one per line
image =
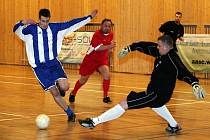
(173, 126)
(134, 101)
(104, 70)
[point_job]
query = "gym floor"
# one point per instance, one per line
(22, 99)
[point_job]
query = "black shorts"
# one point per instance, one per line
(141, 99)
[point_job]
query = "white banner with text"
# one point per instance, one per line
(75, 46)
(195, 52)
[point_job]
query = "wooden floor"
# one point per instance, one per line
(22, 99)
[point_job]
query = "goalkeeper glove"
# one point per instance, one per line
(123, 52)
(198, 91)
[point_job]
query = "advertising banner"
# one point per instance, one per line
(75, 47)
(195, 52)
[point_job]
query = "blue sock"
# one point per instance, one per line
(69, 112)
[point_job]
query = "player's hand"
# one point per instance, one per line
(93, 13)
(91, 49)
(112, 45)
(123, 52)
(198, 91)
(28, 21)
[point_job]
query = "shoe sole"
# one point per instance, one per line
(83, 125)
(173, 133)
(107, 102)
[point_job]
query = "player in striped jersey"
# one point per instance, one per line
(43, 42)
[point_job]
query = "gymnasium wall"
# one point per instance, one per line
(134, 20)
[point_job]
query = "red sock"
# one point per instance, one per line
(76, 88)
(106, 84)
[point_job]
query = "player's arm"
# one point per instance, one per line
(185, 75)
(97, 43)
(163, 28)
(149, 48)
(180, 36)
(73, 25)
(102, 47)
(19, 28)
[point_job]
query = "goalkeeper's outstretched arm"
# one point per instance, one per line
(149, 48)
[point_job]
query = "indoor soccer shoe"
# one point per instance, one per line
(72, 118)
(173, 130)
(71, 98)
(87, 123)
(107, 100)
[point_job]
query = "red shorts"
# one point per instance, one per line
(89, 65)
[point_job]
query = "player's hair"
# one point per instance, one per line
(167, 40)
(178, 13)
(44, 12)
(106, 19)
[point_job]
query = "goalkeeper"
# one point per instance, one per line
(167, 68)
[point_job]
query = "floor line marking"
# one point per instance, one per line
(55, 115)
(87, 84)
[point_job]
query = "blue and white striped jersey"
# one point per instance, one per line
(43, 45)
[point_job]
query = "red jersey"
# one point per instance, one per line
(100, 39)
(96, 59)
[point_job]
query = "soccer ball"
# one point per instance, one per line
(42, 121)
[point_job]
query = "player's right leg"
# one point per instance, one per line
(111, 114)
(134, 101)
(77, 86)
(87, 67)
